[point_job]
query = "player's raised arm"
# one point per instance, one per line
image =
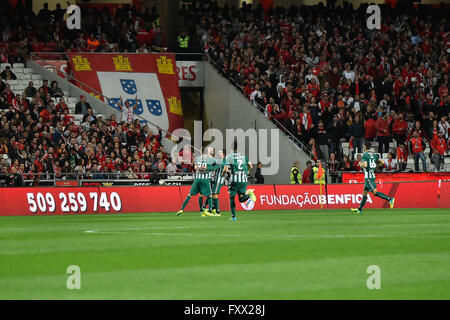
(135, 102)
(120, 103)
(249, 164)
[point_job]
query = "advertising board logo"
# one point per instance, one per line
(248, 205)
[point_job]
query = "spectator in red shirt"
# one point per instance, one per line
(62, 105)
(313, 88)
(443, 91)
(390, 163)
(439, 148)
(399, 129)
(402, 156)
(186, 158)
(307, 123)
(417, 147)
(308, 173)
(382, 127)
(356, 165)
(370, 129)
(8, 94)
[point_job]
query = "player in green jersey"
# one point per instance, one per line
(237, 164)
(369, 162)
(213, 166)
(217, 182)
(203, 168)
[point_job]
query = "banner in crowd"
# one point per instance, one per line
(152, 78)
(190, 74)
(60, 66)
(87, 200)
(351, 177)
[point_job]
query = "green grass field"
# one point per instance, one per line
(264, 255)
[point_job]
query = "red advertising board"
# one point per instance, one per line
(444, 194)
(353, 177)
(152, 78)
(407, 195)
(225, 200)
(67, 200)
(88, 200)
(292, 197)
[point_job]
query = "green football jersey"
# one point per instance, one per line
(217, 174)
(372, 161)
(202, 163)
(211, 164)
(238, 166)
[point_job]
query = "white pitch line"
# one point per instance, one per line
(286, 236)
(134, 229)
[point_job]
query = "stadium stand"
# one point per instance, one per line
(42, 137)
(44, 134)
(313, 69)
(311, 64)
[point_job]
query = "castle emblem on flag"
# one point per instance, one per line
(129, 86)
(165, 65)
(122, 64)
(175, 106)
(97, 96)
(81, 63)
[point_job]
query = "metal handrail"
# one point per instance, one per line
(53, 175)
(262, 109)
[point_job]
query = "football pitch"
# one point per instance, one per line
(304, 254)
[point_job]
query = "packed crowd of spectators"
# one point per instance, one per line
(325, 78)
(38, 134)
(40, 139)
(316, 71)
(107, 30)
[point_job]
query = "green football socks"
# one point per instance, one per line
(186, 201)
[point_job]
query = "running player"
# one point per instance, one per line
(369, 162)
(237, 164)
(200, 185)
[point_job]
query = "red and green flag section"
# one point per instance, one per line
(152, 77)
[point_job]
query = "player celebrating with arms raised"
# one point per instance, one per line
(237, 164)
(369, 163)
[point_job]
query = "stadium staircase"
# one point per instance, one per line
(25, 75)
